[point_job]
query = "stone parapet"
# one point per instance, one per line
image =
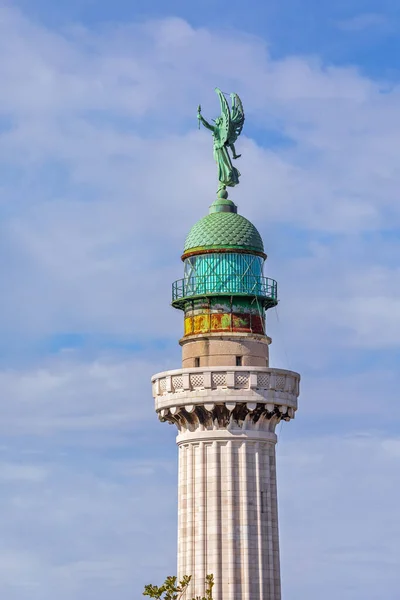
(236, 398)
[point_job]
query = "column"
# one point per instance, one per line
(228, 515)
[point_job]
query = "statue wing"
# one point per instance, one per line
(236, 119)
(225, 126)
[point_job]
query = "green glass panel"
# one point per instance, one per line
(220, 273)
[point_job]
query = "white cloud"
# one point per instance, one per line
(339, 531)
(102, 174)
(104, 527)
(104, 192)
(23, 472)
(367, 21)
(70, 393)
(86, 535)
(392, 447)
(91, 237)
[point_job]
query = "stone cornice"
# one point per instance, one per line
(252, 398)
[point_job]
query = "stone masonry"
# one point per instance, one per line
(227, 497)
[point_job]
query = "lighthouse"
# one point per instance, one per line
(226, 402)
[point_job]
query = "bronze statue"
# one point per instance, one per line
(225, 132)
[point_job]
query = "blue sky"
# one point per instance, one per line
(362, 33)
(102, 173)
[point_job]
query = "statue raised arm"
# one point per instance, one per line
(227, 128)
(202, 120)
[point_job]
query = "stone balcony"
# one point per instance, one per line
(274, 391)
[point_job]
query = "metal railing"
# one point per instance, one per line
(219, 285)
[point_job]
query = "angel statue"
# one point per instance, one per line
(225, 132)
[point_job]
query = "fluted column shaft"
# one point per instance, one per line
(227, 507)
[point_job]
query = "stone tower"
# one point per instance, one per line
(226, 402)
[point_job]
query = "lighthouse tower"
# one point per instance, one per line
(225, 399)
(226, 402)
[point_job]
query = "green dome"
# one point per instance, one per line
(223, 230)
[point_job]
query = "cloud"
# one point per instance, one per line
(85, 534)
(103, 525)
(102, 174)
(342, 521)
(25, 472)
(69, 394)
(392, 447)
(366, 21)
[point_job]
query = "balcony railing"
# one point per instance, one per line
(263, 288)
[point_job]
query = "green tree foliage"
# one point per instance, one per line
(172, 590)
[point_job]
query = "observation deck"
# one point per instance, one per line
(263, 289)
(255, 390)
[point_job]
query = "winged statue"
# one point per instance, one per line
(226, 130)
